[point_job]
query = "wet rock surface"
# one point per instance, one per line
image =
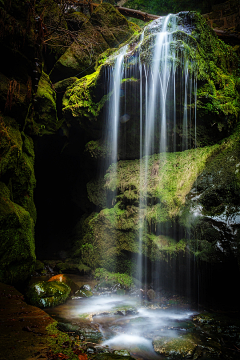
(84, 291)
(48, 294)
(88, 332)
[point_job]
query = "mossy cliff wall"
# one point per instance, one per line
(191, 195)
(47, 82)
(30, 105)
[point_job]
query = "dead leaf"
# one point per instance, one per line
(83, 357)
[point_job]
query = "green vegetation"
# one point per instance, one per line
(17, 209)
(81, 99)
(44, 118)
(105, 29)
(48, 293)
(108, 279)
(218, 69)
(114, 231)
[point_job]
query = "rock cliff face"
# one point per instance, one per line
(225, 16)
(30, 108)
(171, 180)
(55, 99)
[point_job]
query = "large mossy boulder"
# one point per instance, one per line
(48, 294)
(106, 28)
(194, 192)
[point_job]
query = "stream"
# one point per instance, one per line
(121, 321)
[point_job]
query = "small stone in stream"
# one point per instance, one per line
(101, 350)
(83, 292)
(151, 294)
(121, 353)
(86, 287)
(90, 350)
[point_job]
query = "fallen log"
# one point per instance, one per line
(137, 14)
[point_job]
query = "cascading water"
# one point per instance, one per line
(156, 76)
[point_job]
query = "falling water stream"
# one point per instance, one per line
(166, 89)
(166, 86)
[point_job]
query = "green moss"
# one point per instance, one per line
(178, 348)
(45, 112)
(217, 65)
(48, 294)
(63, 338)
(72, 267)
(83, 293)
(39, 266)
(170, 180)
(61, 86)
(98, 150)
(108, 279)
(217, 204)
(106, 28)
(17, 250)
(82, 101)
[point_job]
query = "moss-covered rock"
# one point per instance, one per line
(39, 266)
(83, 101)
(44, 118)
(84, 292)
(66, 280)
(178, 348)
(17, 250)
(61, 86)
(48, 294)
(105, 29)
(71, 267)
(211, 212)
(17, 209)
(190, 346)
(75, 20)
(192, 190)
(216, 71)
(113, 281)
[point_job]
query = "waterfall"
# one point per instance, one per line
(157, 76)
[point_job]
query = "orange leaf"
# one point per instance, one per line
(83, 357)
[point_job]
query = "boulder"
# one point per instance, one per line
(66, 280)
(106, 28)
(48, 294)
(84, 291)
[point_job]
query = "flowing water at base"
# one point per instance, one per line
(123, 322)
